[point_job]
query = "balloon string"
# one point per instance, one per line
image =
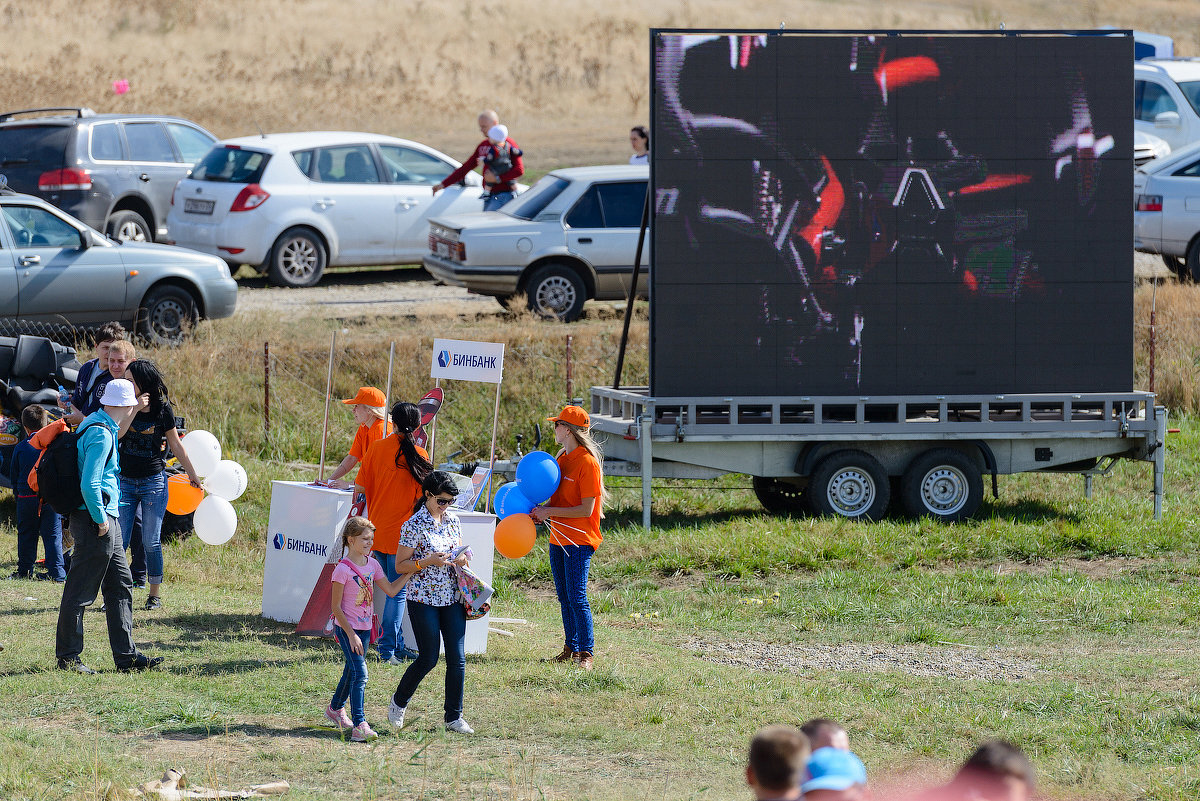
(561, 534)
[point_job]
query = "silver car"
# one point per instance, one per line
(1166, 217)
(56, 271)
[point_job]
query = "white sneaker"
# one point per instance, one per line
(459, 726)
(396, 714)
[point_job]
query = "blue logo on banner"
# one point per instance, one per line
(444, 359)
(280, 541)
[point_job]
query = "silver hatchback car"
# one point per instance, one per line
(56, 271)
(1166, 217)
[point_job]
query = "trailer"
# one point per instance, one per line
(855, 456)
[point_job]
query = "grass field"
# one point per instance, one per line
(1063, 624)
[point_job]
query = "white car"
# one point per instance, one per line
(1166, 217)
(1147, 147)
(1167, 99)
(292, 204)
(571, 237)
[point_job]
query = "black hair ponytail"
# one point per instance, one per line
(406, 418)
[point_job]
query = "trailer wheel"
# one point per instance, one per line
(944, 484)
(850, 484)
(780, 497)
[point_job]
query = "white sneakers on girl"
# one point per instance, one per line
(459, 726)
(396, 714)
(362, 733)
(339, 718)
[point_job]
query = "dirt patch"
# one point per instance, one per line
(915, 660)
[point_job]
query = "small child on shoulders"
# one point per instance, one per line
(34, 519)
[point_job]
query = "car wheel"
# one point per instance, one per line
(129, 226)
(556, 291)
(942, 483)
(780, 497)
(1193, 262)
(297, 259)
(167, 314)
(850, 484)
(1176, 265)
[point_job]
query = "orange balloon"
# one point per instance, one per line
(515, 536)
(182, 497)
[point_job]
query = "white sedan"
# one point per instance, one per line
(572, 237)
(292, 204)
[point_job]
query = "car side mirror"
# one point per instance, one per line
(1167, 119)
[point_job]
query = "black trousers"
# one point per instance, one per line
(98, 566)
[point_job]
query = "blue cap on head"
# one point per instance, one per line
(834, 769)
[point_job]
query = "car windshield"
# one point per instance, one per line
(231, 165)
(1191, 90)
(530, 204)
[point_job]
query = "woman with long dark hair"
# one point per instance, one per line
(390, 475)
(435, 610)
(573, 514)
(143, 478)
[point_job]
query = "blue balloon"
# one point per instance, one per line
(509, 500)
(538, 475)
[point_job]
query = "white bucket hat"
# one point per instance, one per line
(497, 134)
(119, 392)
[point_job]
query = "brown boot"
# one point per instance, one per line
(565, 656)
(583, 659)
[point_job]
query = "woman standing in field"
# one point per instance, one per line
(574, 513)
(390, 476)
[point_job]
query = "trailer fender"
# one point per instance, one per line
(812, 453)
(989, 462)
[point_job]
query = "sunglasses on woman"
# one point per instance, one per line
(444, 501)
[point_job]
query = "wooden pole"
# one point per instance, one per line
(1153, 303)
(266, 394)
(570, 373)
(328, 395)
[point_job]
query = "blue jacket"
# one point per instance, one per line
(98, 465)
(23, 458)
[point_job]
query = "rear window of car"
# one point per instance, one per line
(533, 202)
(231, 165)
(33, 144)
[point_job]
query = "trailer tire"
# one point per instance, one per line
(850, 484)
(780, 497)
(944, 484)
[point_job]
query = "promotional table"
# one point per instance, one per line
(304, 534)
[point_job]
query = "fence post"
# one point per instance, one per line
(570, 372)
(266, 395)
(1153, 303)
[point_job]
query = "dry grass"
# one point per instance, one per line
(1176, 347)
(568, 78)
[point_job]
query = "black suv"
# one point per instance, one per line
(116, 172)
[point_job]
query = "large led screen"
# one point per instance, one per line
(891, 214)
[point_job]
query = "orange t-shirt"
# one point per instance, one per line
(368, 435)
(580, 479)
(391, 491)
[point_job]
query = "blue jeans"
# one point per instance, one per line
(428, 624)
(31, 526)
(353, 685)
(494, 200)
(391, 638)
(569, 566)
(151, 495)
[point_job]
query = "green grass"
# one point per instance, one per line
(1093, 601)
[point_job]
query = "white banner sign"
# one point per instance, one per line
(467, 361)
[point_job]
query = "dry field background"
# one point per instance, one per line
(569, 78)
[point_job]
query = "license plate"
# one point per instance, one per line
(193, 206)
(443, 250)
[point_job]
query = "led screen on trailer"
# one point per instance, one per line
(891, 214)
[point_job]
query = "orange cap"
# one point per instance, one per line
(573, 415)
(368, 396)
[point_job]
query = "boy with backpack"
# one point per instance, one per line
(98, 564)
(34, 519)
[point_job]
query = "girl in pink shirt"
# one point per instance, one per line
(353, 607)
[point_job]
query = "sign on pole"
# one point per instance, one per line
(468, 361)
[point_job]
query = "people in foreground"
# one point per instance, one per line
(835, 774)
(825, 733)
(996, 771)
(353, 606)
(430, 544)
(775, 767)
(573, 514)
(98, 564)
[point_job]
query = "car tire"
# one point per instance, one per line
(297, 259)
(555, 291)
(1193, 262)
(780, 497)
(942, 483)
(167, 314)
(850, 484)
(1177, 266)
(128, 226)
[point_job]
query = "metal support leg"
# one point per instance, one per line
(645, 423)
(1087, 487)
(1160, 462)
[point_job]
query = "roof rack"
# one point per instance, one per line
(80, 111)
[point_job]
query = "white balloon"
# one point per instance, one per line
(227, 480)
(204, 451)
(214, 520)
